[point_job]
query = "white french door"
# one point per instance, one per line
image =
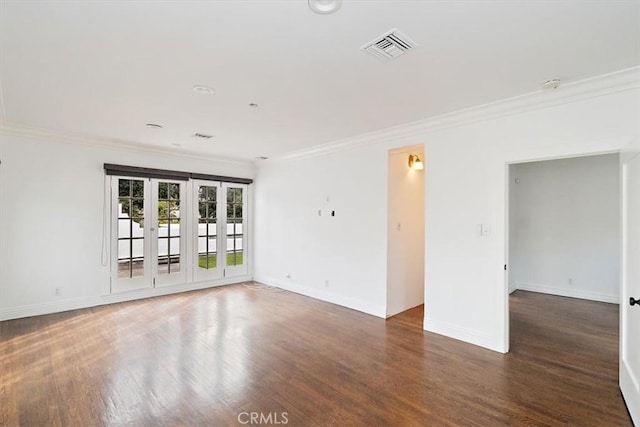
(207, 228)
(630, 290)
(150, 219)
(131, 240)
(220, 229)
(234, 220)
(168, 240)
(148, 233)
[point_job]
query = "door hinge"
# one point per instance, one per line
(505, 267)
(154, 281)
(224, 272)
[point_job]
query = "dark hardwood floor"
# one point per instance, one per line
(213, 357)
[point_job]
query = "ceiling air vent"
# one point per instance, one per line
(390, 45)
(202, 135)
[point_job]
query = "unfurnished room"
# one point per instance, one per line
(319, 213)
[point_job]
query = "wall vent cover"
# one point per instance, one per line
(389, 45)
(202, 135)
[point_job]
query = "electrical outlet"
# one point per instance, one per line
(570, 281)
(483, 230)
(326, 283)
(288, 275)
(58, 292)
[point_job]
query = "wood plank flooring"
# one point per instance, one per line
(216, 356)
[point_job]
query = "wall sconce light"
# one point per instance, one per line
(415, 163)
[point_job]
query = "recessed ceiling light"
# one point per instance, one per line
(551, 84)
(153, 126)
(206, 90)
(202, 135)
(253, 105)
(324, 7)
(176, 144)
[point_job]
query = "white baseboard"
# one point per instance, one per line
(93, 301)
(571, 293)
(470, 336)
(348, 302)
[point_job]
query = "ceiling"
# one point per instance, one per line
(106, 68)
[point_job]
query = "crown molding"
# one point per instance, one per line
(593, 87)
(606, 84)
(9, 128)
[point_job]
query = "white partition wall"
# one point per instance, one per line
(466, 155)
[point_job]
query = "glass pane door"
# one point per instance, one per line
(235, 229)
(207, 227)
(130, 248)
(168, 232)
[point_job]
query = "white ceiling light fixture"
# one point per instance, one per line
(325, 7)
(205, 90)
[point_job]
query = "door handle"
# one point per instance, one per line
(633, 301)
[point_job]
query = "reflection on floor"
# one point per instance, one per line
(219, 356)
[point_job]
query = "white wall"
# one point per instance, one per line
(565, 227)
(466, 156)
(405, 232)
(51, 198)
(340, 259)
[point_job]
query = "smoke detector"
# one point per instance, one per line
(389, 45)
(205, 90)
(551, 84)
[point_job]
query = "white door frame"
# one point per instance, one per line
(144, 281)
(243, 269)
(507, 320)
(629, 379)
(507, 183)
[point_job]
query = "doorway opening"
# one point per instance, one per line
(585, 225)
(564, 227)
(406, 233)
(563, 240)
